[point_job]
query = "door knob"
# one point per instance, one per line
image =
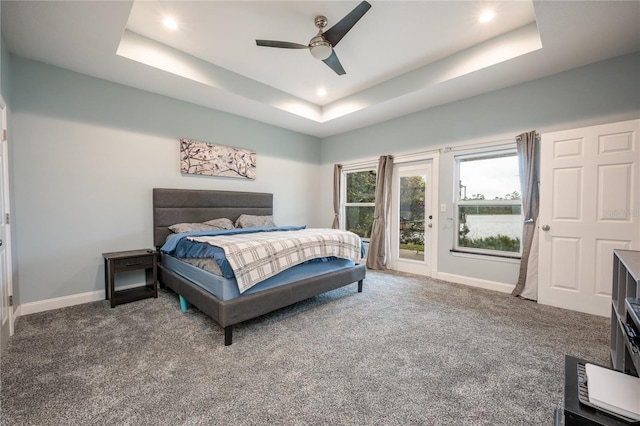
(430, 225)
(545, 227)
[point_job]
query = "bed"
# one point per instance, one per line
(173, 206)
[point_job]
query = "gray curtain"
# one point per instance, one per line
(528, 162)
(337, 175)
(379, 241)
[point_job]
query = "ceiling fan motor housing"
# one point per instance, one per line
(320, 48)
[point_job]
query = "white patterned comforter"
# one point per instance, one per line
(258, 256)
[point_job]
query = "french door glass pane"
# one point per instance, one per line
(412, 199)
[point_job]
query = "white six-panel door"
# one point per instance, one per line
(589, 206)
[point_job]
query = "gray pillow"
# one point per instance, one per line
(251, 221)
(221, 223)
(179, 228)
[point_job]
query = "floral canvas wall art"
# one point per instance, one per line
(202, 158)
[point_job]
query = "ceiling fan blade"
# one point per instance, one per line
(335, 33)
(334, 64)
(282, 44)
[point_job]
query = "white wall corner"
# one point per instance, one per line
(476, 282)
(59, 302)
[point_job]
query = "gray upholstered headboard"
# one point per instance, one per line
(171, 206)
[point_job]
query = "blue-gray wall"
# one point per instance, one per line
(600, 93)
(87, 154)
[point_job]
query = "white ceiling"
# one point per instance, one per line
(401, 57)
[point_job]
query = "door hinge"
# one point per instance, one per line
(10, 300)
(4, 134)
(7, 218)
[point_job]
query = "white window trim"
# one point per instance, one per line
(458, 202)
(343, 194)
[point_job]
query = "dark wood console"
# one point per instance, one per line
(576, 413)
(625, 331)
(624, 348)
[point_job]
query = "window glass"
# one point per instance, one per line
(361, 187)
(359, 206)
(489, 205)
(359, 220)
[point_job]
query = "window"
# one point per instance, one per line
(488, 204)
(359, 202)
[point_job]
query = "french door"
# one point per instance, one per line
(412, 218)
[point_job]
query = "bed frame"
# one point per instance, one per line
(171, 206)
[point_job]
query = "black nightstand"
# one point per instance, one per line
(132, 260)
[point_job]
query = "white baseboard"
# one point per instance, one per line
(16, 314)
(60, 302)
(94, 296)
(476, 282)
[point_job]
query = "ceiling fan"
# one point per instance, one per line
(321, 46)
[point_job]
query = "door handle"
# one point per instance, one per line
(545, 227)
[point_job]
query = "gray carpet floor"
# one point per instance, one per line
(407, 351)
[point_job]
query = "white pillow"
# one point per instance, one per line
(221, 223)
(252, 221)
(179, 228)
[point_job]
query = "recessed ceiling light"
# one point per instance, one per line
(322, 92)
(487, 16)
(170, 23)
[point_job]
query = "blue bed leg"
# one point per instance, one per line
(183, 304)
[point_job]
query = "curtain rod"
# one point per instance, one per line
(400, 157)
(416, 154)
(443, 149)
(492, 144)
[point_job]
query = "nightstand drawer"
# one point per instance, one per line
(133, 263)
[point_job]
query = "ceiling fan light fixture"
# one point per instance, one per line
(320, 48)
(487, 16)
(170, 23)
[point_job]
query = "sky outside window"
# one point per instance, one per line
(492, 177)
